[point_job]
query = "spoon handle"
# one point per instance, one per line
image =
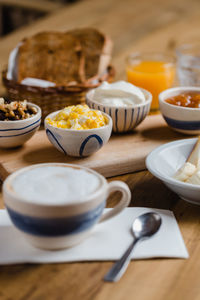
(120, 266)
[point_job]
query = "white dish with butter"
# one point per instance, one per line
(126, 104)
(166, 160)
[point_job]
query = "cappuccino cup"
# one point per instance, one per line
(56, 205)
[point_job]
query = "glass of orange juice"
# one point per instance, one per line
(152, 71)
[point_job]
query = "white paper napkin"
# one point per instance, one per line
(37, 82)
(108, 241)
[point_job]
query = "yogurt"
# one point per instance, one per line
(120, 94)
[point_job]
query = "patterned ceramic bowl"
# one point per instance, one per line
(179, 118)
(124, 118)
(78, 143)
(16, 133)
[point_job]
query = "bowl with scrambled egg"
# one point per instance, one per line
(78, 130)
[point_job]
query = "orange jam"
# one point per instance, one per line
(188, 99)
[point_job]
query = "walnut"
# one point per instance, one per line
(15, 110)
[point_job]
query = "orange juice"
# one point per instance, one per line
(154, 76)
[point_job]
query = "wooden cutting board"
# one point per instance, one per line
(124, 153)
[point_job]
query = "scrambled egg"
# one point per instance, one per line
(78, 117)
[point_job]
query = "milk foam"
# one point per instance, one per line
(55, 185)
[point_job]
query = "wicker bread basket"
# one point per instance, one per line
(52, 98)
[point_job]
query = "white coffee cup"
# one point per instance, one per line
(40, 211)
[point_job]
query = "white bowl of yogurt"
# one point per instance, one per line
(125, 103)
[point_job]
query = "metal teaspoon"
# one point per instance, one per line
(143, 227)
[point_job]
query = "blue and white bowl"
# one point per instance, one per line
(16, 133)
(78, 143)
(182, 119)
(124, 118)
(60, 225)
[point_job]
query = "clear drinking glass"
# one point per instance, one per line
(188, 64)
(154, 72)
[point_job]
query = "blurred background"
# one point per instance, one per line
(16, 13)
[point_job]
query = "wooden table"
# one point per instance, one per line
(133, 25)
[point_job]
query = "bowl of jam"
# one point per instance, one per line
(180, 107)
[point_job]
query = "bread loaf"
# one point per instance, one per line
(96, 49)
(67, 58)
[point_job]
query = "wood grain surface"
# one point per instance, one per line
(124, 153)
(133, 25)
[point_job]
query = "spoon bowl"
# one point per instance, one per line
(146, 225)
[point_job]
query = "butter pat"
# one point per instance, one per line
(120, 93)
(194, 157)
(185, 172)
(195, 178)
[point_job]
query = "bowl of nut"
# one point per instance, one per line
(19, 120)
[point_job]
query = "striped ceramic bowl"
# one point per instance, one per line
(16, 133)
(182, 119)
(124, 118)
